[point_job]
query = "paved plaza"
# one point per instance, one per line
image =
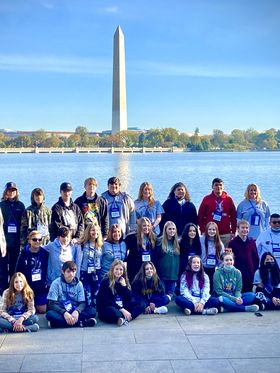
(173, 343)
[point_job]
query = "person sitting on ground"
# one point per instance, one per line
(33, 263)
(148, 289)
(195, 290)
(267, 282)
(228, 286)
(17, 313)
(114, 299)
(66, 301)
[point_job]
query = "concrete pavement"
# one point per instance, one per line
(229, 342)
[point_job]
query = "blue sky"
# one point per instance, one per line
(212, 64)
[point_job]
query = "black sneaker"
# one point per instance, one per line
(90, 322)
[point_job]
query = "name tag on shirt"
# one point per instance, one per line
(36, 275)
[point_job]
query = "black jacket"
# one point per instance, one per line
(98, 207)
(59, 219)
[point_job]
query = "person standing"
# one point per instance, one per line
(3, 251)
(120, 206)
(245, 254)
(12, 210)
(36, 217)
(254, 210)
(269, 240)
(218, 207)
(147, 206)
(65, 213)
(94, 208)
(179, 208)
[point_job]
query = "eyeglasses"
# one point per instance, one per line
(36, 239)
(275, 222)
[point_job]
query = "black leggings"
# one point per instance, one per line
(111, 314)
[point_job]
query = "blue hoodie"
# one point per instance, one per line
(56, 261)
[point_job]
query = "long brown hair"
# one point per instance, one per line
(27, 292)
(111, 276)
(141, 277)
(217, 240)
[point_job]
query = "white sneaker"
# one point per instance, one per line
(121, 321)
(187, 311)
(161, 310)
(211, 311)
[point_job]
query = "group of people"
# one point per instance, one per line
(122, 258)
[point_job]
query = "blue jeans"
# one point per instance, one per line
(91, 286)
(183, 303)
(57, 320)
(5, 324)
(248, 299)
(169, 286)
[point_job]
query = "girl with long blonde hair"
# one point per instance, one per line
(114, 299)
(140, 246)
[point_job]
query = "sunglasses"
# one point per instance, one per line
(36, 239)
(275, 222)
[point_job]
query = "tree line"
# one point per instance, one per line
(237, 140)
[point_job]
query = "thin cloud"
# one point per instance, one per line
(205, 71)
(111, 9)
(55, 64)
(102, 66)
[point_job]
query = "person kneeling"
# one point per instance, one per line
(195, 290)
(66, 301)
(114, 303)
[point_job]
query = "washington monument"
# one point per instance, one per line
(119, 113)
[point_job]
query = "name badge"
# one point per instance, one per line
(68, 305)
(36, 275)
(118, 301)
(91, 268)
(43, 229)
(217, 215)
(146, 256)
(211, 260)
(115, 212)
(276, 252)
(12, 228)
(196, 294)
(255, 220)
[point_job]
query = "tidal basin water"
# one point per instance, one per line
(196, 170)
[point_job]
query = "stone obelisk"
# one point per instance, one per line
(119, 112)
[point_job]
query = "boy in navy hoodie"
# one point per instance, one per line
(66, 301)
